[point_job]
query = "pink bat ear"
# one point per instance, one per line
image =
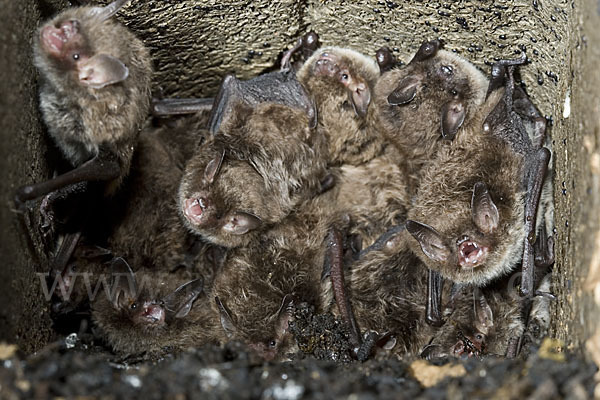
(432, 243)
(102, 70)
(361, 98)
(240, 223)
(484, 211)
(484, 317)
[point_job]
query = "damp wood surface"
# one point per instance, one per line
(194, 44)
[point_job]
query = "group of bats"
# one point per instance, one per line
(401, 198)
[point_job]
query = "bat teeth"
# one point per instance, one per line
(471, 254)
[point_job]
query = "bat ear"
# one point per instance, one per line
(483, 210)
(484, 318)
(226, 320)
(179, 303)
(213, 168)
(430, 240)
(241, 222)
(102, 70)
(123, 283)
(361, 98)
(104, 13)
(405, 92)
(427, 50)
(453, 116)
(284, 314)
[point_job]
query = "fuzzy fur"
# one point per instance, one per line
(148, 232)
(273, 162)
(352, 140)
(80, 119)
(415, 128)
(255, 280)
(125, 336)
(444, 200)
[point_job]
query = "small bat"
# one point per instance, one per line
(94, 97)
(489, 181)
(259, 285)
(146, 227)
(341, 82)
(421, 107)
(152, 313)
(263, 163)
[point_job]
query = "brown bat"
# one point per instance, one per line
(420, 108)
(147, 229)
(387, 287)
(94, 97)
(488, 223)
(489, 182)
(94, 94)
(264, 161)
(341, 82)
(153, 313)
(259, 285)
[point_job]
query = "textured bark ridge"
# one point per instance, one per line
(195, 43)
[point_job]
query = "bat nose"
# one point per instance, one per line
(154, 313)
(195, 209)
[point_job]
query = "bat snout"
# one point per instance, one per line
(471, 254)
(197, 209)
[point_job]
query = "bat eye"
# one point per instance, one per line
(272, 343)
(133, 306)
(76, 56)
(447, 69)
(479, 336)
(344, 77)
(453, 92)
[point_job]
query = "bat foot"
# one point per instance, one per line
(364, 350)
(47, 220)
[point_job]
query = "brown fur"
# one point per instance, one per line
(81, 119)
(374, 195)
(444, 200)
(388, 291)
(414, 128)
(350, 136)
(148, 231)
(125, 336)
(272, 163)
(256, 280)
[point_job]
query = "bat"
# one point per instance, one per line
(259, 286)
(152, 313)
(264, 162)
(420, 108)
(341, 82)
(490, 181)
(94, 97)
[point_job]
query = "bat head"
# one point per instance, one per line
(71, 45)
(251, 175)
(469, 242)
(429, 99)
(140, 310)
(263, 329)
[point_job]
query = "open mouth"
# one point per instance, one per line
(470, 254)
(194, 210)
(55, 38)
